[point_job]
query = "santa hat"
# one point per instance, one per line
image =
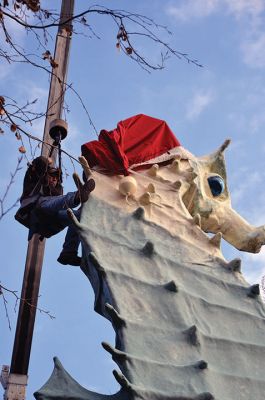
(136, 141)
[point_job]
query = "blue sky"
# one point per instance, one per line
(203, 106)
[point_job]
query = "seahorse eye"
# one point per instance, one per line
(216, 184)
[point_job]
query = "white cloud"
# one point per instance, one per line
(249, 13)
(251, 179)
(203, 8)
(257, 213)
(198, 104)
(246, 114)
(29, 91)
(240, 8)
(253, 50)
(258, 258)
(193, 9)
(255, 273)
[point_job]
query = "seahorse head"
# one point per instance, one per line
(208, 196)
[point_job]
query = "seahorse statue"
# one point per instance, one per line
(188, 326)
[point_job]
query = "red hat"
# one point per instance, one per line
(134, 141)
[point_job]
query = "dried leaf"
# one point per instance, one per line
(33, 5)
(13, 127)
(119, 34)
(47, 14)
(118, 46)
(68, 29)
(53, 63)
(2, 112)
(122, 34)
(18, 136)
(22, 149)
(129, 50)
(46, 55)
(2, 131)
(2, 101)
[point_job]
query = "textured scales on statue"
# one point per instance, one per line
(188, 326)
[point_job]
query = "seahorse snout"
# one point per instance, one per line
(254, 241)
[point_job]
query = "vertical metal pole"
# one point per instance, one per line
(27, 307)
(58, 79)
(30, 289)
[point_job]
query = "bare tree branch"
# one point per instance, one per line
(3, 209)
(121, 18)
(36, 138)
(4, 289)
(130, 26)
(5, 306)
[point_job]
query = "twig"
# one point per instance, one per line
(5, 306)
(119, 16)
(4, 211)
(38, 139)
(18, 298)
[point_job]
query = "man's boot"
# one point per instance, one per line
(69, 258)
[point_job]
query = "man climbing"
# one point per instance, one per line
(43, 206)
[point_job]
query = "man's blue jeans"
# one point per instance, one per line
(55, 208)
